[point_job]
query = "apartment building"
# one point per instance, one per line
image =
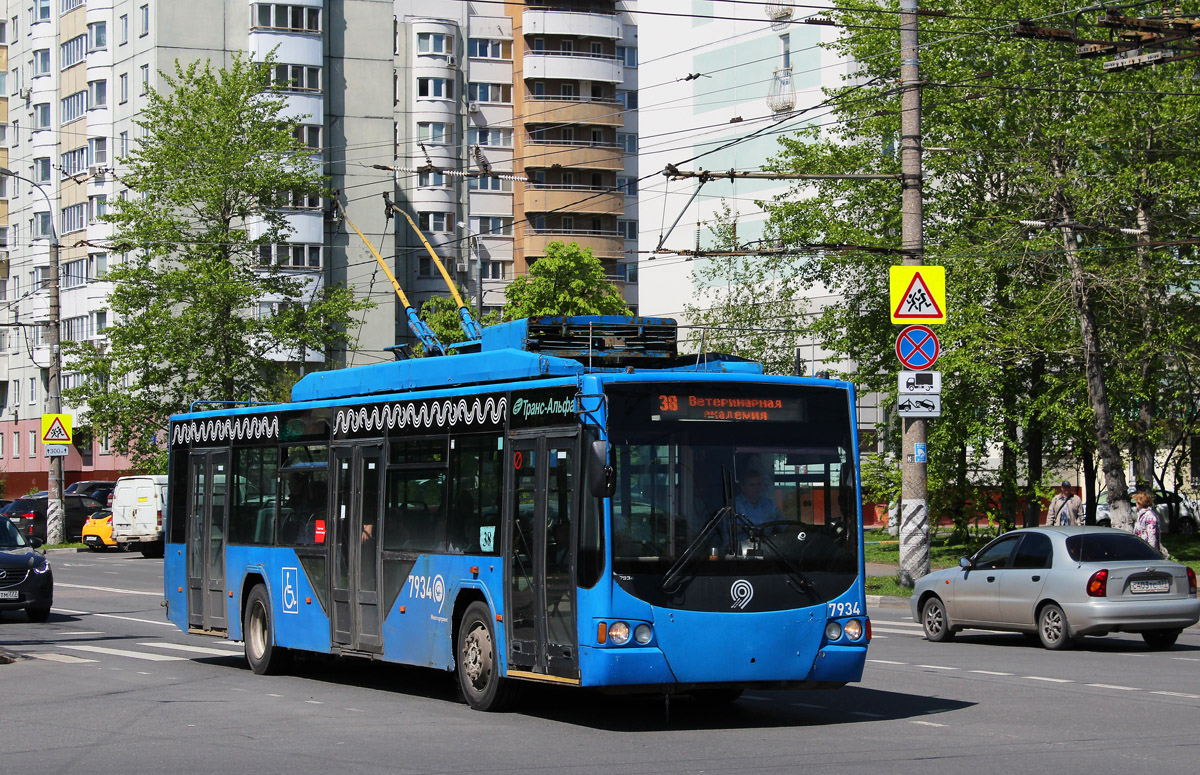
(541, 97)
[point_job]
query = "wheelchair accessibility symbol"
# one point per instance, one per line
(291, 591)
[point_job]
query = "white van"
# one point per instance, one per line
(139, 508)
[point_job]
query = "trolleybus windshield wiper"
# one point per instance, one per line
(670, 580)
(797, 579)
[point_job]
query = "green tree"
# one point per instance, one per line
(568, 280)
(441, 315)
(188, 319)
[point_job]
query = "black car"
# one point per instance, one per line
(29, 515)
(25, 578)
(93, 488)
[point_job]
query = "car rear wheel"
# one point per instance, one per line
(1160, 639)
(935, 621)
(152, 550)
(1053, 630)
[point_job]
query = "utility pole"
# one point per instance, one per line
(54, 500)
(914, 504)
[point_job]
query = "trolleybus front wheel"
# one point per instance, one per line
(476, 663)
(264, 656)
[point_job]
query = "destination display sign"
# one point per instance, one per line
(740, 408)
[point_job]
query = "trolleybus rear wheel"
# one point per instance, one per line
(264, 656)
(476, 663)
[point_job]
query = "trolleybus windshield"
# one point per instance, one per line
(743, 481)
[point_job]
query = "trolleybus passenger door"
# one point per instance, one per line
(356, 497)
(541, 585)
(206, 540)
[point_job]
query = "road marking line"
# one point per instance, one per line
(927, 723)
(886, 662)
(142, 672)
(1051, 680)
(313, 702)
(891, 622)
(113, 616)
(989, 672)
(109, 589)
(124, 653)
(1179, 694)
(87, 632)
(864, 713)
(939, 667)
(274, 695)
(875, 629)
(1187, 659)
(1117, 688)
(191, 649)
(878, 637)
(66, 659)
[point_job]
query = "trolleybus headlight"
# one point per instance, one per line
(618, 633)
(642, 633)
(854, 629)
(833, 631)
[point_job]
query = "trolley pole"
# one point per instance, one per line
(914, 508)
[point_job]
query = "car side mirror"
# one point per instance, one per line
(964, 562)
(36, 542)
(600, 473)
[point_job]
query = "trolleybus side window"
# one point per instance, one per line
(476, 487)
(302, 494)
(413, 518)
(252, 499)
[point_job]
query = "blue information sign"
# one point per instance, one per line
(919, 452)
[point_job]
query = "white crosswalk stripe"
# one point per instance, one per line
(202, 650)
(125, 653)
(65, 659)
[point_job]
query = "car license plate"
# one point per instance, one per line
(8, 594)
(1143, 587)
(89, 540)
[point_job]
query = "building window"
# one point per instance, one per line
(300, 200)
(627, 229)
(493, 137)
(98, 93)
(434, 133)
(123, 26)
(145, 17)
(41, 115)
(785, 50)
(73, 107)
(297, 77)
(432, 180)
(280, 16)
(73, 218)
(123, 87)
(97, 36)
(145, 79)
(627, 55)
(492, 225)
(16, 434)
(33, 400)
(309, 135)
(98, 150)
(493, 270)
(489, 183)
(435, 88)
(434, 43)
(124, 141)
(99, 267)
(40, 12)
(70, 5)
(75, 329)
(628, 99)
(40, 64)
(483, 48)
(97, 207)
(75, 274)
(628, 142)
(290, 255)
(72, 52)
(73, 162)
(41, 169)
(440, 222)
(32, 441)
(489, 92)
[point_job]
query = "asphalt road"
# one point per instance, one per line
(108, 686)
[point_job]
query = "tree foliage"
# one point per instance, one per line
(568, 280)
(1015, 131)
(205, 184)
(440, 313)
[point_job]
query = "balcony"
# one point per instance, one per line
(541, 198)
(573, 110)
(544, 21)
(573, 66)
(603, 244)
(782, 95)
(577, 155)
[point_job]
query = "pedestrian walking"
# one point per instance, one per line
(1066, 508)
(1146, 527)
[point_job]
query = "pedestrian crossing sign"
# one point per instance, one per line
(56, 428)
(918, 294)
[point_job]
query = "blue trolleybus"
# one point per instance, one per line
(572, 502)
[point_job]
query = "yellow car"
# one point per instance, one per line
(97, 531)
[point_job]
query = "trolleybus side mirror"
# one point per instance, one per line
(600, 473)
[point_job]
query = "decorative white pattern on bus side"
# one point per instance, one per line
(433, 414)
(225, 430)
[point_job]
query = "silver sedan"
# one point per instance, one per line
(1059, 584)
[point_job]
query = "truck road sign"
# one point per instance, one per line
(919, 382)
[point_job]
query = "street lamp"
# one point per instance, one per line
(54, 501)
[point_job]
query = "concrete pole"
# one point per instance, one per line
(914, 508)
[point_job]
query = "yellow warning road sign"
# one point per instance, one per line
(56, 428)
(918, 294)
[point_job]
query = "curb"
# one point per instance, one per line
(68, 550)
(888, 601)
